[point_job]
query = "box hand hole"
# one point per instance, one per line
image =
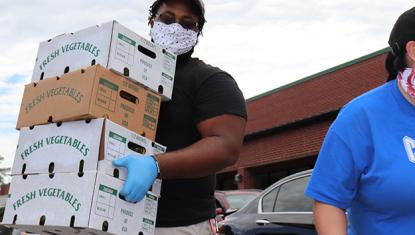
(23, 168)
(66, 69)
(127, 96)
(42, 75)
(51, 167)
(93, 62)
(146, 52)
(126, 72)
(81, 168)
(72, 223)
(161, 89)
(123, 198)
(42, 220)
(136, 148)
(116, 173)
(105, 226)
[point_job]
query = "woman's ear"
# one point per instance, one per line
(410, 51)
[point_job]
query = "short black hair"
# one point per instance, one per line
(154, 8)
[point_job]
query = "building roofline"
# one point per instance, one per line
(264, 132)
(324, 72)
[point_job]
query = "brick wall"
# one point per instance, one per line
(323, 93)
(318, 95)
(4, 189)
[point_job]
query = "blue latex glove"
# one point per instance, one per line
(141, 174)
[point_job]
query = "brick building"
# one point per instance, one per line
(286, 126)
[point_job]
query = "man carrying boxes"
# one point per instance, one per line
(202, 127)
(69, 175)
(63, 180)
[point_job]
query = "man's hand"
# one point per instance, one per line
(141, 174)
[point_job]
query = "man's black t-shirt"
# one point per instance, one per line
(200, 92)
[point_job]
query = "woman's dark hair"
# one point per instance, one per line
(395, 63)
(402, 32)
(157, 4)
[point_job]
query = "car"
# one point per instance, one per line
(282, 208)
(229, 201)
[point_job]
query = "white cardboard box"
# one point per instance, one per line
(106, 167)
(113, 46)
(67, 201)
(77, 146)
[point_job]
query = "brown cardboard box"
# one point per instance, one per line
(90, 93)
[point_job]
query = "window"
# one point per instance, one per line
(238, 201)
(291, 197)
(268, 201)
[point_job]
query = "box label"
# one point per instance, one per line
(152, 104)
(125, 49)
(118, 137)
(150, 205)
(48, 192)
(107, 95)
(116, 146)
(149, 122)
(106, 199)
(169, 62)
(74, 46)
(71, 142)
(148, 225)
(70, 92)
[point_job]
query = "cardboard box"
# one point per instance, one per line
(107, 168)
(77, 146)
(90, 203)
(90, 93)
(113, 46)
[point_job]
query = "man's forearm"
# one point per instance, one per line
(205, 157)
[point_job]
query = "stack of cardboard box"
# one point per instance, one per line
(74, 120)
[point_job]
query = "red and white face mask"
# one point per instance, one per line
(407, 80)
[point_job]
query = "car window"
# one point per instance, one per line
(268, 201)
(291, 197)
(238, 201)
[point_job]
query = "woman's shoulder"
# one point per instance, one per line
(372, 99)
(358, 112)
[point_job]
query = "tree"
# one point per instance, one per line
(4, 172)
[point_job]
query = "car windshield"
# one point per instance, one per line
(238, 201)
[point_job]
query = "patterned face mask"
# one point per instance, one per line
(407, 80)
(173, 37)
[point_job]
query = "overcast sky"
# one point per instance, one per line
(264, 44)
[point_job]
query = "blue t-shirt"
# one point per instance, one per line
(367, 164)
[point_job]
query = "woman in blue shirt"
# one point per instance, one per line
(366, 166)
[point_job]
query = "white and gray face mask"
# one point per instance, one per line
(173, 37)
